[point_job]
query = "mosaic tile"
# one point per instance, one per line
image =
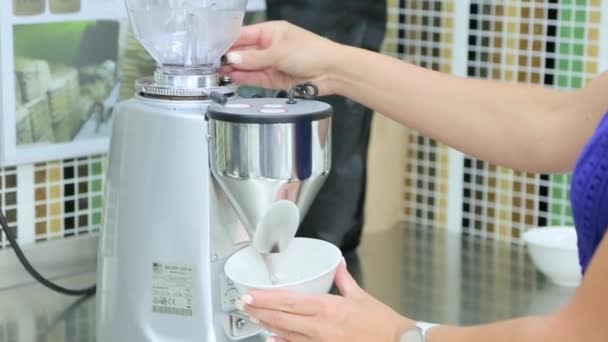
(538, 42)
(9, 202)
(421, 33)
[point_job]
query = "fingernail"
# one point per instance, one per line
(234, 58)
(254, 320)
(271, 339)
(239, 305)
(247, 299)
(344, 261)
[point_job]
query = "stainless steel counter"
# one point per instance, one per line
(424, 273)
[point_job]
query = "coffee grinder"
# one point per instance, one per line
(192, 171)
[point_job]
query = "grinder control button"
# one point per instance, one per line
(273, 111)
(237, 105)
(241, 326)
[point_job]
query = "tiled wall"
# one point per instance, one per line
(67, 198)
(421, 32)
(540, 42)
(555, 43)
(552, 43)
(8, 200)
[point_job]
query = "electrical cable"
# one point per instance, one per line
(35, 274)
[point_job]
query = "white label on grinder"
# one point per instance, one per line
(172, 289)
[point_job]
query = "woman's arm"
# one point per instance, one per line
(524, 127)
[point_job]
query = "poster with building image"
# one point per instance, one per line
(66, 80)
(60, 77)
(64, 66)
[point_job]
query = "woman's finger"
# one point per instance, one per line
(345, 282)
(289, 302)
(262, 34)
(283, 321)
(250, 35)
(253, 59)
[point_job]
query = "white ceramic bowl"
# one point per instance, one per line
(307, 266)
(554, 251)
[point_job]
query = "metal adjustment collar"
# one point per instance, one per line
(169, 85)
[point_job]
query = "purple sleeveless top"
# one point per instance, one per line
(589, 194)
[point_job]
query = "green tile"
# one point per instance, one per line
(577, 82)
(564, 64)
(557, 192)
(566, 15)
(581, 16)
(577, 66)
(565, 32)
(579, 33)
(579, 50)
(558, 202)
(97, 170)
(562, 81)
(564, 49)
(97, 202)
(96, 185)
(96, 219)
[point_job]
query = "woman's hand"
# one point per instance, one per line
(354, 316)
(279, 55)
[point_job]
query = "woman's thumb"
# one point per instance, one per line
(251, 60)
(345, 282)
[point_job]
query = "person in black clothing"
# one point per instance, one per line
(336, 214)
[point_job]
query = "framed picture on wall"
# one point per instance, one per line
(60, 77)
(64, 66)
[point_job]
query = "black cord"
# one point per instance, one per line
(28, 267)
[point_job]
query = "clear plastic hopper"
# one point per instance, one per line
(188, 34)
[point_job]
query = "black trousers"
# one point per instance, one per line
(336, 214)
